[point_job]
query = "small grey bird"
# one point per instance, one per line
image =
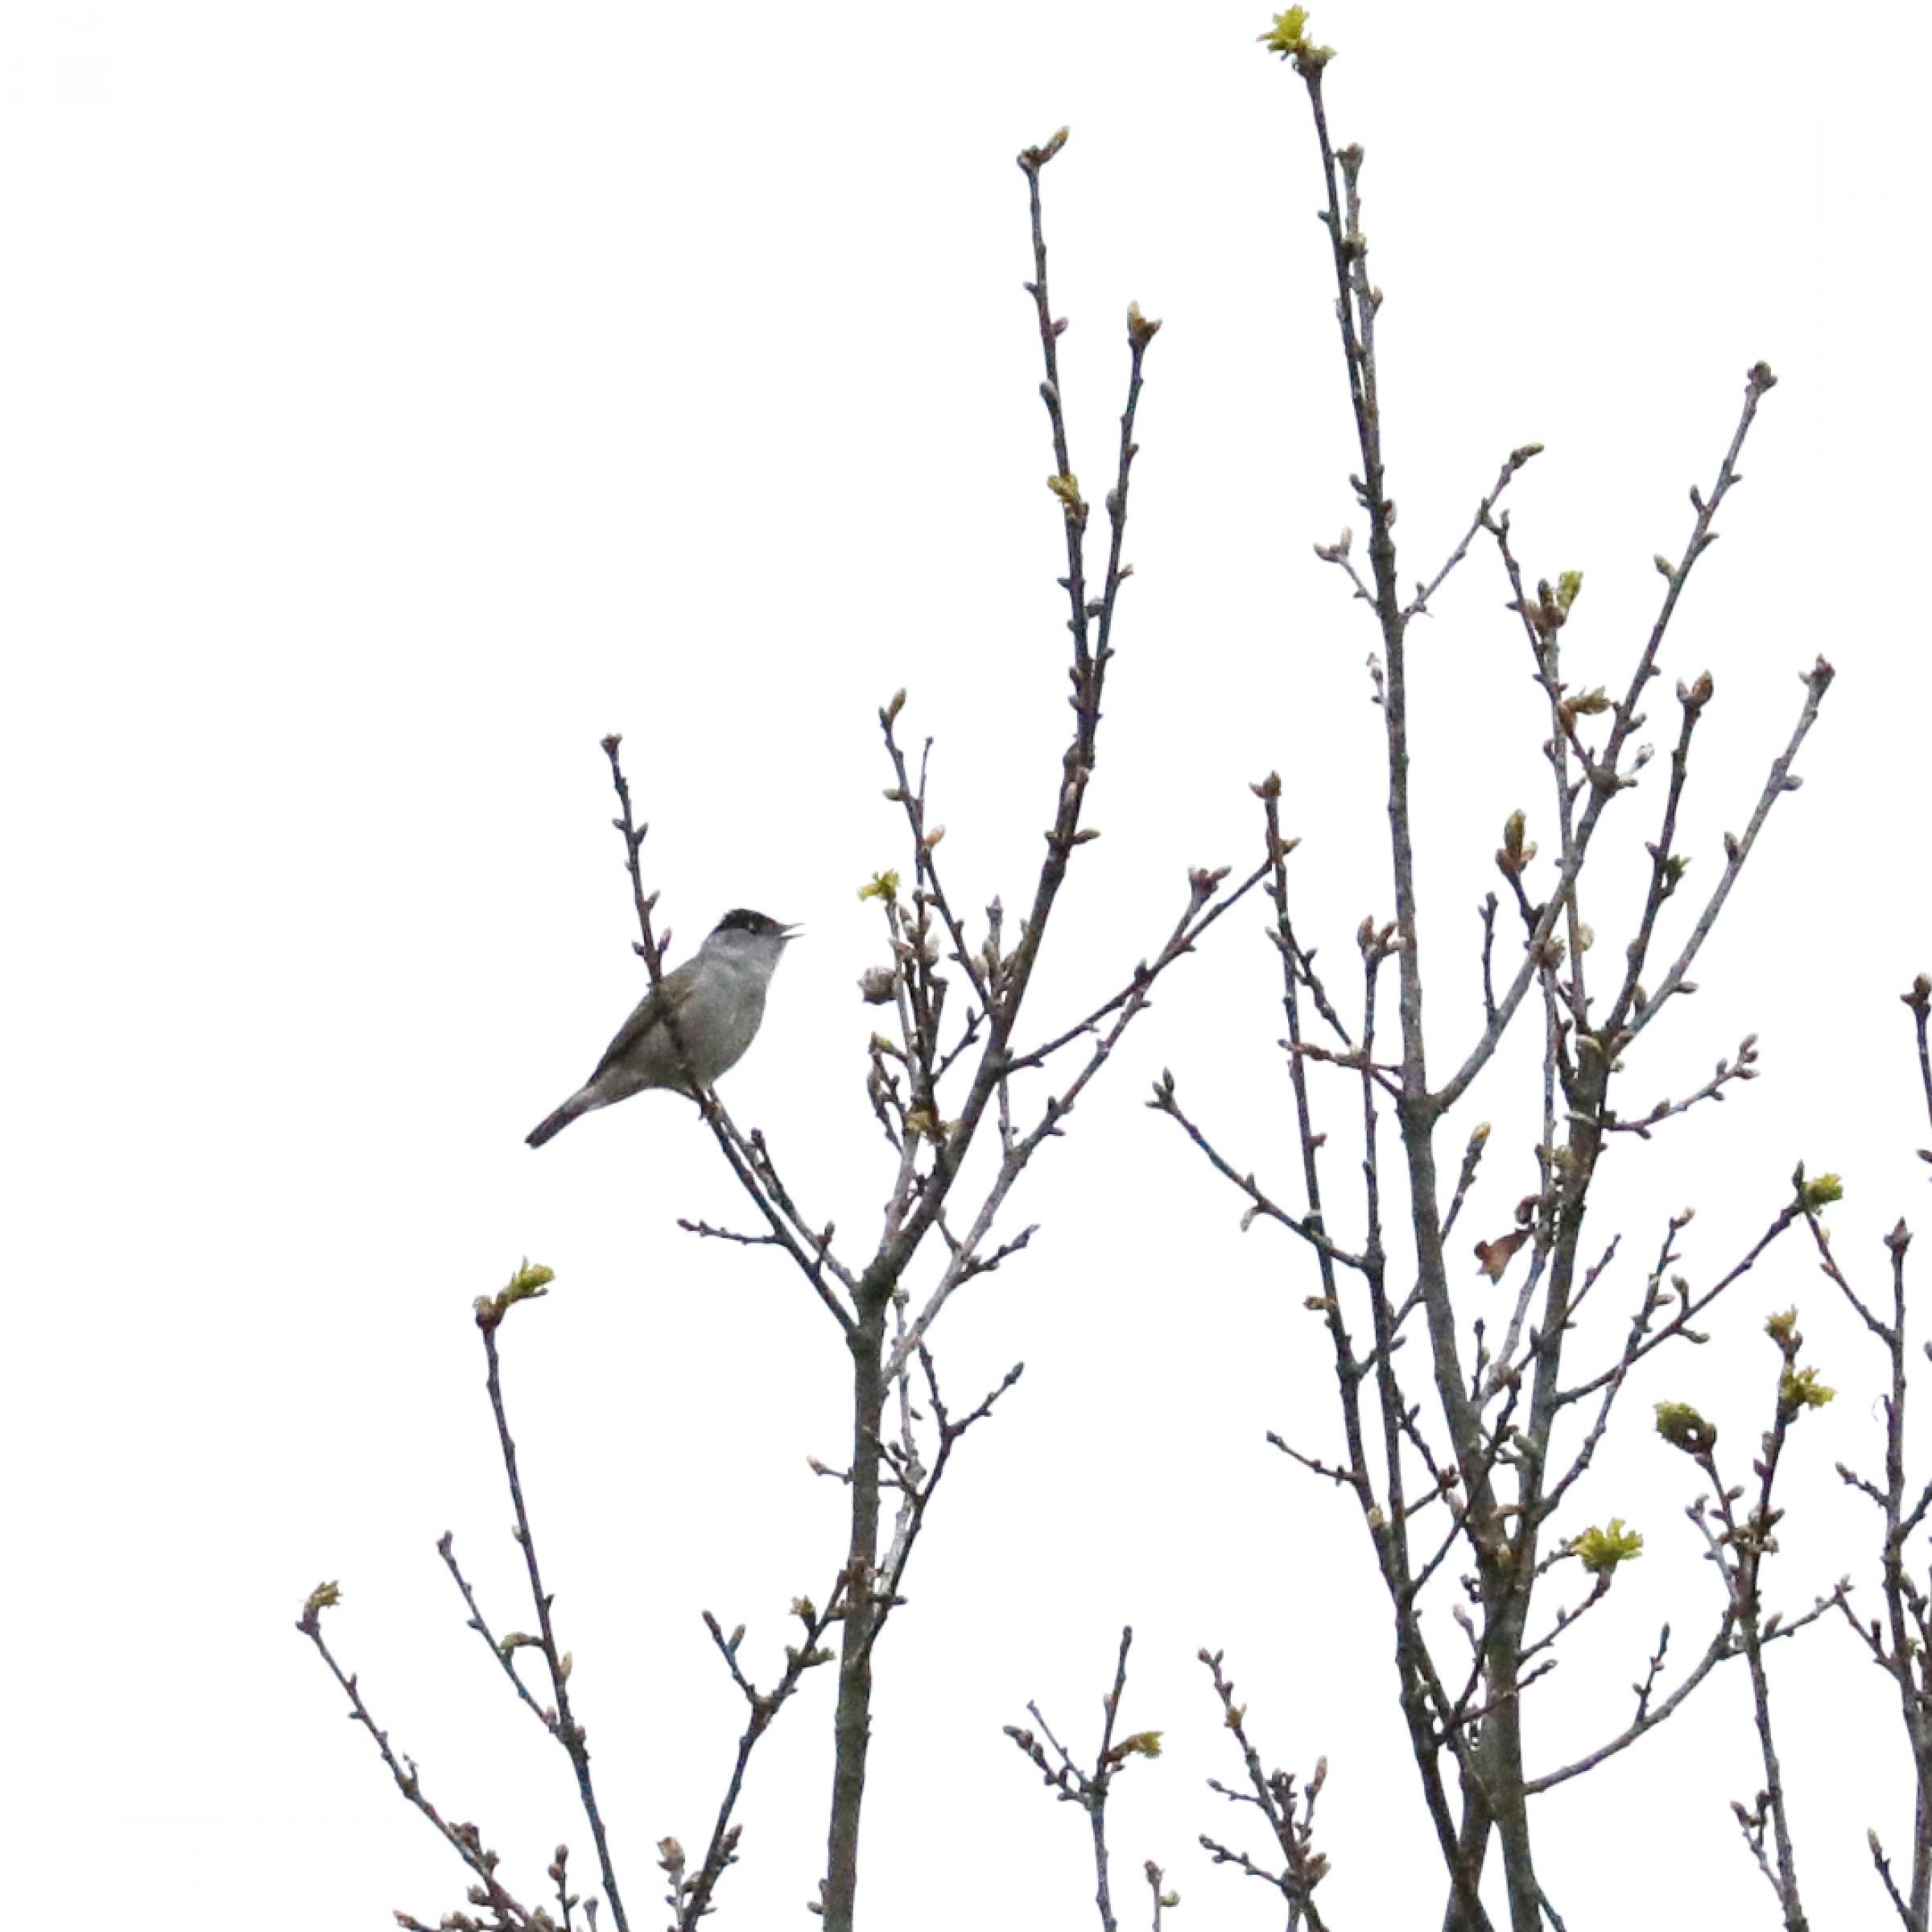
(715, 1000)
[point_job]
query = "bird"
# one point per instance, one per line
(692, 1026)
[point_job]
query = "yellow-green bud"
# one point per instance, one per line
(1800, 1389)
(1683, 1428)
(1821, 1192)
(1599, 1551)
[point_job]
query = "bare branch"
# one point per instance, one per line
(1089, 1789)
(463, 1840)
(1758, 383)
(1912, 1921)
(1744, 1067)
(918, 1497)
(1291, 1815)
(1817, 682)
(567, 1731)
(690, 1895)
(1482, 520)
(1647, 1715)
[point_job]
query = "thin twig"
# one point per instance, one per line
(691, 1897)
(566, 1729)
(1089, 1788)
(463, 1840)
(1290, 1816)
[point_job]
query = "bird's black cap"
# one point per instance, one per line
(738, 919)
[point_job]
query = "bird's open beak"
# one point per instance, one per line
(791, 932)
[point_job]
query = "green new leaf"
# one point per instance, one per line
(1599, 1551)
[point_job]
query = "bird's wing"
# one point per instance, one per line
(664, 997)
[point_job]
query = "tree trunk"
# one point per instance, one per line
(852, 1724)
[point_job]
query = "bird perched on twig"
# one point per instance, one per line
(692, 1026)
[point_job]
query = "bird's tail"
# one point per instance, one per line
(553, 1124)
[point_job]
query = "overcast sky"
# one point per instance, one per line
(397, 397)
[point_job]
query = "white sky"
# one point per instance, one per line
(397, 397)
